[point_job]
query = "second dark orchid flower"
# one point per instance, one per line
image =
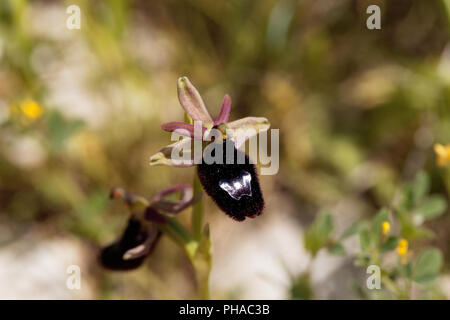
(143, 230)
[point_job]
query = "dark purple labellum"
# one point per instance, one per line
(111, 257)
(234, 187)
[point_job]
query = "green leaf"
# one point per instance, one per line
(354, 229)
(390, 244)
(301, 288)
(411, 231)
(407, 269)
(432, 207)
(337, 249)
(428, 266)
(407, 199)
(383, 215)
(420, 187)
(60, 129)
(325, 225)
(316, 237)
(364, 240)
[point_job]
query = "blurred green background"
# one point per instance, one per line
(80, 111)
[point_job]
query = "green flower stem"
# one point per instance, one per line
(197, 210)
(202, 263)
(202, 270)
(204, 290)
(390, 285)
(181, 236)
(199, 249)
(198, 252)
(202, 259)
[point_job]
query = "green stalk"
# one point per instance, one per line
(197, 210)
(390, 285)
(202, 259)
(203, 284)
(202, 264)
(181, 236)
(199, 251)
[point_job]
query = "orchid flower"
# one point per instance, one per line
(238, 131)
(144, 226)
(234, 187)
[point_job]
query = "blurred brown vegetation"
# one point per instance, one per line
(358, 111)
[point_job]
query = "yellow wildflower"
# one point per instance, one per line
(442, 153)
(31, 109)
(385, 227)
(402, 247)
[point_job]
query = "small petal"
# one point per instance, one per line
(225, 110)
(186, 189)
(182, 128)
(144, 249)
(187, 199)
(135, 235)
(243, 129)
(192, 102)
(151, 214)
(164, 156)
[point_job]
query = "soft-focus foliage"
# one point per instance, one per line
(378, 246)
(359, 113)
